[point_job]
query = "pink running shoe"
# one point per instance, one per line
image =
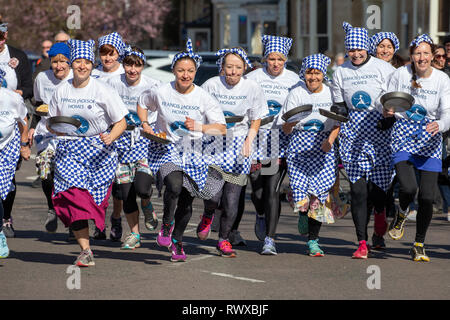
(362, 252)
(204, 227)
(164, 238)
(225, 249)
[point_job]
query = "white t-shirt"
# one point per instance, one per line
(96, 105)
(246, 99)
(361, 86)
(12, 110)
(10, 77)
(276, 89)
(44, 87)
(173, 108)
(432, 100)
(130, 94)
(310, 121)
(98, 73)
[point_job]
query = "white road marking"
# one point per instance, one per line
(226, 275)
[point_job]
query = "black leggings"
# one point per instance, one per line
(47, 187)
(266, 197)
(9, 201)
(408, 187)
(313, 228)
(228, 198)
(177, 204)
(1, 216)
(363, 194)
(141, 186)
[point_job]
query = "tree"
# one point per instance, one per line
(32, 21)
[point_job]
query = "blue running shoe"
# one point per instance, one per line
(4, 250)
(314, 248)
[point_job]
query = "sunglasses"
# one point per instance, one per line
(440, 56)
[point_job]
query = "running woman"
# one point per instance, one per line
(384, 46)
(133, 175)
(85, 162)
(363, 148)
(185, 113)
(266, 179)
(44, 86)
(111, 49)
(311, 159)
(237, 96)
(13, 145)
(417, 138)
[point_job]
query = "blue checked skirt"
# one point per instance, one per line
(131, 147)
(9, 156)
(311, 171)
(186, 156)
(411, 137)
(365, 150)
(232, 160)
(85, 163)
(270, 144)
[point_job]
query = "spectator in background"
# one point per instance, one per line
(446, 43)
(61, 37)
(43, 64)
(439, 60)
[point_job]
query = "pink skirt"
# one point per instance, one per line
(77, 204)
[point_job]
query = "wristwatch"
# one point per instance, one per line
(24, 144)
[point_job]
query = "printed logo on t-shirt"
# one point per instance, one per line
(313, 125)
(84, 124)
(179, 128)
(274, 107)
(361, 100)
(133, 119)
(4, 84)
(416, 112)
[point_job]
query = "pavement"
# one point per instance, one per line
(40, 264)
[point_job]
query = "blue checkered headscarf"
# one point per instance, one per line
(81, 50)
(375, 40)
(189, 53)
(317, 61)
(355, 38)
(128, 52)
(115, 40)
(223, 52)
(276, 44)
(422, 38)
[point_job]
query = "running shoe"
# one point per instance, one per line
(314, 249)
(380, 223)
(85, 259)
(4, 250)
(8, 229)
(418, 252)
(225, 249)
(164, 238)
(236, 238)
(116, 229)
(302, 225)
(51, 224)
(37, 183)
(269, 247)
(178, 254)
(132, 241)
(412, 215)
(150, 218)
(378, 242)
(362, 252)
(204, 227)
(260, 227)
(99, 234)
(397, 227)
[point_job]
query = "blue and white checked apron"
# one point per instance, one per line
(410, 136)
(311, 171)
(85, 163)
(131, 147)
(9, 156)
(365, 150)
(270, 144)
(232, 159)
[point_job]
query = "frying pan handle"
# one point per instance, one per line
(340, 108)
